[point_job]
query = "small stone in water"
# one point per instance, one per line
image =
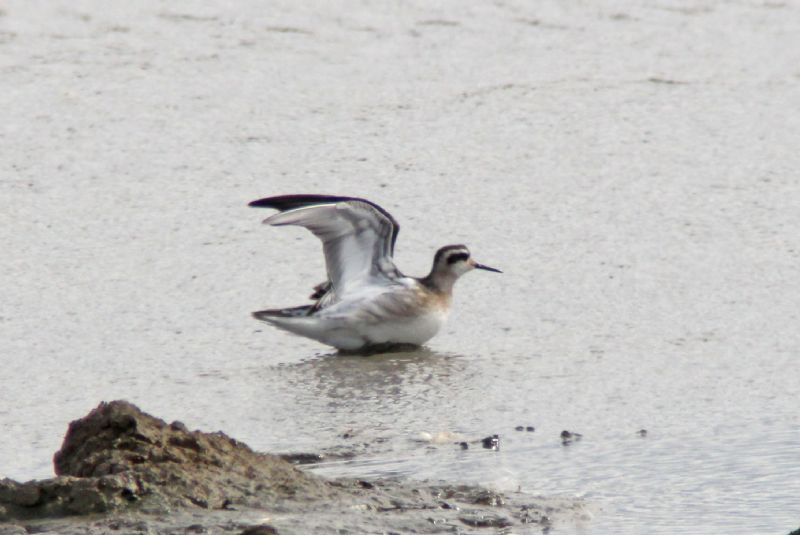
(491, 443)
(530, 429)
(519, 428)
(483, 520)
(263, 529)
(568, 437)
(464, 445)
(642, 433)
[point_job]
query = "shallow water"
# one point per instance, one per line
(631, 168)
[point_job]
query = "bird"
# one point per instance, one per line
(366, 302)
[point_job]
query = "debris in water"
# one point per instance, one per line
(491, 443)
(568, 437)
(442, 437)
(486, 520)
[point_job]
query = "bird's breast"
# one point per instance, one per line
(415, 330)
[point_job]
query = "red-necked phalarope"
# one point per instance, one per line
(366, 301)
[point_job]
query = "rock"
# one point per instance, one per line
(118, 456)
(302, 458)
(263, 529)
(491, 442)
(178, 426)
(23, 494)
(61, 496)
(28, 495)
(484, 520)
(487, 497)
(470, 495)
(11, 529)
(530, 429)
(642, 432)
(123, 471)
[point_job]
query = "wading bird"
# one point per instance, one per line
(366, 301)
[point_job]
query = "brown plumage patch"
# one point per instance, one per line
(433, 299)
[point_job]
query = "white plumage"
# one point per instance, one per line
(366, 301)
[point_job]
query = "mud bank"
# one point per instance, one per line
(122, 470)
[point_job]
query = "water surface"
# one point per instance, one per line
(631, 167)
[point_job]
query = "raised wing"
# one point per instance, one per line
(358, 236)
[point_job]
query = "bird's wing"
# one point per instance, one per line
(357, 235)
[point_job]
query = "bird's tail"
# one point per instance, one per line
(276, 314)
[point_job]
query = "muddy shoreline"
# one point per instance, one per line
(122, 470)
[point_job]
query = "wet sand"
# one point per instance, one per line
(122, 469)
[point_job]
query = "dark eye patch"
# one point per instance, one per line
(452, 259)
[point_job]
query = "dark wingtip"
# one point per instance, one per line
(266, 202)
(289, 202)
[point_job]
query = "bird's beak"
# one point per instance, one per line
(485, 268)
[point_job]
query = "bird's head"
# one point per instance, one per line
(452, 261)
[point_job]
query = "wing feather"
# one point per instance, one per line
(357, 236)
(290, 202)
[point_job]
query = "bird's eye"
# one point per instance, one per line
(452, 259)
